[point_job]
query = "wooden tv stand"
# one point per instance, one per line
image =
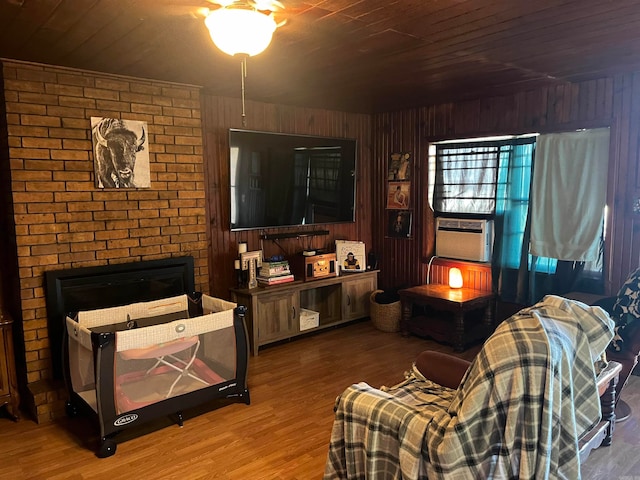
(273, 313)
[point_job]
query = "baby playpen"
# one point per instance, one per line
(131, 364)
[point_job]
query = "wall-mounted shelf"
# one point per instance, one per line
(299, 234)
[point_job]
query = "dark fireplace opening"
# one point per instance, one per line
(72, 290)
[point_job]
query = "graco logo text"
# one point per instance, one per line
(125, 419)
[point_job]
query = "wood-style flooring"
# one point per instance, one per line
(283, 434)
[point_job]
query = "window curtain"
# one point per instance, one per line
(513, 268)
(569, 194)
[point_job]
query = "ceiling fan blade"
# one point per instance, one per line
(268, 5)
(222, 3)
(177, 8)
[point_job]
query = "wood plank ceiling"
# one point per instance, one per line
(363, 56)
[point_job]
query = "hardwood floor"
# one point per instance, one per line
(283, 434)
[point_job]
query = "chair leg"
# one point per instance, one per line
(623, 411)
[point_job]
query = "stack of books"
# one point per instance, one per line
(274, 273)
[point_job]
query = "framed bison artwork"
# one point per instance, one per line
(120, 153)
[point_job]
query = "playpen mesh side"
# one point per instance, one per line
(164, 361)
(155, 362)
(81, 364)
(114, 315)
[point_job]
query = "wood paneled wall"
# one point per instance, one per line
(400, 258)
(222, 113)
(612, 101)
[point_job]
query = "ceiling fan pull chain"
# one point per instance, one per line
(243, 66)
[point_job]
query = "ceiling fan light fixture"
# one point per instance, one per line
(237, 30)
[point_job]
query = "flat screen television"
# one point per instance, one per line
(279, 180)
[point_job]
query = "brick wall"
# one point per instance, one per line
(63, 221)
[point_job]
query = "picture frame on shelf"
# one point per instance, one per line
(351, 256)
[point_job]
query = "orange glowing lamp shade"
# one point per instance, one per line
(455, 278)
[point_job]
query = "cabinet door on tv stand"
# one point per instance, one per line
(355, 295)
(278, 316)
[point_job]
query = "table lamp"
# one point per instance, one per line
(455, 278)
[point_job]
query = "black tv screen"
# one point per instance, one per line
(279, 180)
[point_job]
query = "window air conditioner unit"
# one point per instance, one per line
(464, 239)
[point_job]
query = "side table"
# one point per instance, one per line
(459, 301)
(9, 396)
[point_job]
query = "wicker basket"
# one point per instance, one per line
(385, 316)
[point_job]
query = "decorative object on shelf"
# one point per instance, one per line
(239, 274)
(455, 278)
(316, 266)
(244, 28)
(279, 280)
(250, 262)
(399, 224)
(275, 272)
(309, 319)
(274, 268)
(351, 256)
(242, 247)
(398, 195)
(120, 153)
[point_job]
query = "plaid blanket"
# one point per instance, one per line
(518, 412)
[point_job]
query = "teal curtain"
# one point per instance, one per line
(514, 269)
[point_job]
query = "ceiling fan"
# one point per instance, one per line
(239, 28)
(202, 8)
(243, 26)
(242, 20)
(260, 5)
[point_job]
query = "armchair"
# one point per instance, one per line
(518, 411)
(625, 347)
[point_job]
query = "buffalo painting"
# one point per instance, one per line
(121, 156)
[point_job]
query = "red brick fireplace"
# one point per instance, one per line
(61, 220)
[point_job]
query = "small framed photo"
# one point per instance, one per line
(351, 256)
(398, 195)
(399, 167)
(399, 224)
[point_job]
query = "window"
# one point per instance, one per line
(466, 178)
(490, 178)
